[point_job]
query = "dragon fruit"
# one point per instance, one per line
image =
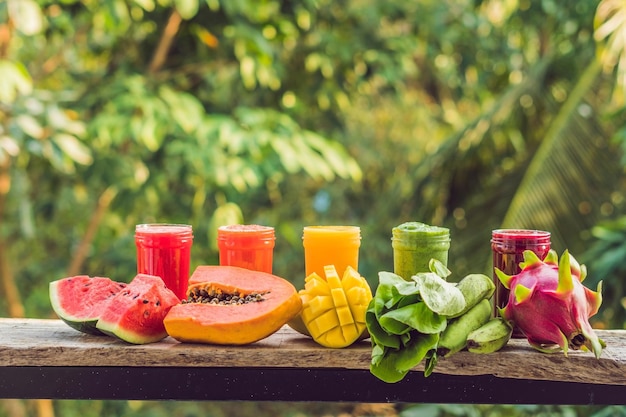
(550, 305)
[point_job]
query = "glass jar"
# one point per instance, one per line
(415, 244)
(508, 246)
(164, 250)
(249, 246)
(331, 245)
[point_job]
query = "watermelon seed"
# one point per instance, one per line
(158, 303)
(146, 301)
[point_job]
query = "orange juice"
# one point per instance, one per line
(331, 245)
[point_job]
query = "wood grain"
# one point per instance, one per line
(48, 343)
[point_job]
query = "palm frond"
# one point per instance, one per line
(497, 177)
(569, 178)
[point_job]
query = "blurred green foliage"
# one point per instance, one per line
(472, 114)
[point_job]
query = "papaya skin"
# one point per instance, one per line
(234, 324)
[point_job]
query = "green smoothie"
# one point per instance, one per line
(415, 244)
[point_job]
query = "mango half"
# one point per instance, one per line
(333, 308)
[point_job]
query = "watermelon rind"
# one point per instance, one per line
(79, 300)
(135, 314)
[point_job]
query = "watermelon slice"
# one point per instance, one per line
(135, 314)
(80, 300)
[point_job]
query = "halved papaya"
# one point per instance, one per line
(228, 305)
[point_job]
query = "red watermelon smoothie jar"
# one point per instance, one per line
(508, 246)
(164, 250)
(249, 246)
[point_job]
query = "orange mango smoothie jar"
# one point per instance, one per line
(249, 246)
(331, 245)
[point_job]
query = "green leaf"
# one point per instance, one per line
(147, 5)
(9, 147)
(390, 323)
(384, 369)
(26, 15)
(431, 362)
(440, 296)
(392, 365)
(379, 336)
(436, 266)
(31, 126)
(415, 351)
(390, 287)
(187, 8)
(73, 148)
(14, 80)
(186, 110)
(415, 316)
(399, 284)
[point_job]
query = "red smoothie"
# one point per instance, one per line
(164, 250)
(508, 246)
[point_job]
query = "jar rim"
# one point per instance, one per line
(332, 228)
(519, 233)
(245, 229)
(164, 228)
(418, 230)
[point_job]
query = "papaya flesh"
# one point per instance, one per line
(228, 305)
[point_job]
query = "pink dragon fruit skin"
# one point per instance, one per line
(550, 305)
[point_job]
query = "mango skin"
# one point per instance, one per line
(333, 308)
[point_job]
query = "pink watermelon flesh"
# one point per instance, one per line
(135, 314)
(80, 300)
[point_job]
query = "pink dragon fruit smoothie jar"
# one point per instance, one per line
(508, 246)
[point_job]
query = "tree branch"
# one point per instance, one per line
(94, 222)
(165, 42)
(15, 307)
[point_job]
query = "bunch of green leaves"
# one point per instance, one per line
(405, 319)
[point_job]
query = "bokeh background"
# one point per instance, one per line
(469, 114)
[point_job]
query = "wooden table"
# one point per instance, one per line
(48, 359)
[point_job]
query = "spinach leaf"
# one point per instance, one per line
(440, 296)
(415, 316)
(405, 319)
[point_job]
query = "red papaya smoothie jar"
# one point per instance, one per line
(249, 246)
(508, 246)
(164, 250)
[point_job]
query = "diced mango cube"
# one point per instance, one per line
(339, 297)
(321, 304)
(344, 315)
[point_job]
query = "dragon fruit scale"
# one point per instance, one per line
(550, 305)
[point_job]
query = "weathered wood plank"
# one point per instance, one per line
(51, 343)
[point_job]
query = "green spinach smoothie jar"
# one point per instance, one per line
(415, 244)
